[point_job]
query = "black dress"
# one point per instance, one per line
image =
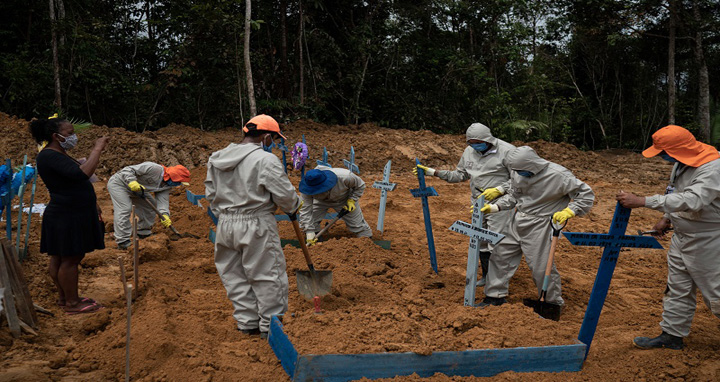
(70, 225)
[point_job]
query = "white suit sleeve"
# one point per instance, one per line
(459, 175)
(277, 183)
(210, 189)
(581, 194)
(163, 201)
(306, 212)
(356, 186)
(701, 192)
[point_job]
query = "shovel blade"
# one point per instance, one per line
(545, 309)
(305, 283)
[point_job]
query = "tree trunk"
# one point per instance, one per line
(300, 45)
(56, 61)
(703, 80)
(671, 64)
(248, 69)
(61, 18)
(285, 85)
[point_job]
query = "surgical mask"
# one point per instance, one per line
(70, 141)
(172, 184)
(668, 158)
(480, 147)
(526, 174)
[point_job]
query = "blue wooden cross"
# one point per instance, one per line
(302, 169)
(385, 186)
(613, 241)
(9, 198)
(477, 234)
(423, 193)
(214, 219)
(284, 151)
(350, 164)
(324, 161)
(194, 199)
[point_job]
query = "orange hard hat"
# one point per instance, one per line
(263, 122)
(680, 144)
(177, 173)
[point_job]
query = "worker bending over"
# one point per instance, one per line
(323, 188)
(538, 190)
(483, 163)
(692, 206)
(128, 186)
(244, 185)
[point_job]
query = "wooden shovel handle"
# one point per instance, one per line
(301, 239)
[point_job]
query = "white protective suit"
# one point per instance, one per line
(485, 171)
(150, 176)
(536, 199)
(693, 257)
(348, 186)
(243, 186)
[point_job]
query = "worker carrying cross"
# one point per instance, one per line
(128, 185)
(483, 163)
(692, 206)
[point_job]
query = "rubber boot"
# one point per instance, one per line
(494, 301)
(484, 260)
(662, 341)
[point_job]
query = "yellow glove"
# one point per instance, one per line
(493, 193)
(428, 170)
(489, 208)
(136, 187)
(166, 222)
(310, 238)
(350, 205)
(561, 217)
(311, 242)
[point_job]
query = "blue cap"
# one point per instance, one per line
(317, 181)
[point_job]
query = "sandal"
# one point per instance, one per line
(82, 299)
(83, 307)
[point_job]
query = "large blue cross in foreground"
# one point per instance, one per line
(613, 242)
(423, 193)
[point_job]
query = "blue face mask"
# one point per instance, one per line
(668, 158)
(480, 147)
(526, 174)
(172, 184)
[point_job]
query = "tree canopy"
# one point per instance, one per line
(591, 72)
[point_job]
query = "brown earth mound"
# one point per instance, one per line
(381, 300)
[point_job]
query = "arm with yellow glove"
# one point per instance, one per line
(561, 217)
(136, 187)
(165, 221)
(493, 193)
(489, 208)
(428, 170)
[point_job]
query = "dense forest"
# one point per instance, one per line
(596, 73)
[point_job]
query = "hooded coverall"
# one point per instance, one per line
(243, 186)
(536, 198)
(484, 171)
(150, 176)
(693, 259)
(348, 186)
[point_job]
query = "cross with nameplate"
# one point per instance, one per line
(350, 164)
(613, 242)
(324, 161)
(423, 193)
(477, 234)
(284, 151)
(385, 186)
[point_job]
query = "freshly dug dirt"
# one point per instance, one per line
(381, 300)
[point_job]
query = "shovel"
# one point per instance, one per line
(311, 283)
(545, 309)
(176, 235)
(340, 214)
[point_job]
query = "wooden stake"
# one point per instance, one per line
(23, 299)
(8, 300)
(127, 340)
(122, 274)
(136, 262)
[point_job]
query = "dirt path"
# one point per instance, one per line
(381, 300)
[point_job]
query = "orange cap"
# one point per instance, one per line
(264, 123)
(680, 144)
(177, 173)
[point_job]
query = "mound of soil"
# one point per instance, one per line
(381, 300)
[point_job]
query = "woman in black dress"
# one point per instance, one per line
(71, 225)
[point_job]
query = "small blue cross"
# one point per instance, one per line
(423, 193)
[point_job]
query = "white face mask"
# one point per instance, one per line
(70, 141)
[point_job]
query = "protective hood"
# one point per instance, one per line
(525, 158)
(480, 132)
(230, 157)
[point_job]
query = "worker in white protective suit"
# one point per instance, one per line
(323, 188)
(692, 206)
(483, 163)
(127, 187)
(539, 190)
(244, 185)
